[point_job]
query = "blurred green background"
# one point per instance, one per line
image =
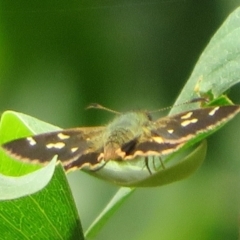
(56, 57)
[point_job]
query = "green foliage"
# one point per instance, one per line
(41, 201)
(47, 210)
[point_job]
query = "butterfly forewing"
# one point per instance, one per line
(171, 133)
(69, 145)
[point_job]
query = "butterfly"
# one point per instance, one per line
(130, 135)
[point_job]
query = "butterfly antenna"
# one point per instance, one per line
(98, 106)
(194, 100)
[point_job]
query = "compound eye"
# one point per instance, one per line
(149, 116)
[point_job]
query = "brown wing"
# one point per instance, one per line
(171, 133)
(74, 147)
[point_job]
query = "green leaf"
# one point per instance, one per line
(179, 171)
(216, 71)
(128, 175)
(108, 211)
(40, 204)
(16, 187)
(48, 214)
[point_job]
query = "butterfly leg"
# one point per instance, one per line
(100, 167)
(163, 166)
(147, 165)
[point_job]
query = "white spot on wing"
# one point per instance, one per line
(74, 149)
(187, 115)
(213, 111)
(170, 131)
(31, 141)
(58, 145)
(63, 136)
(158, 139)
(187, 122)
